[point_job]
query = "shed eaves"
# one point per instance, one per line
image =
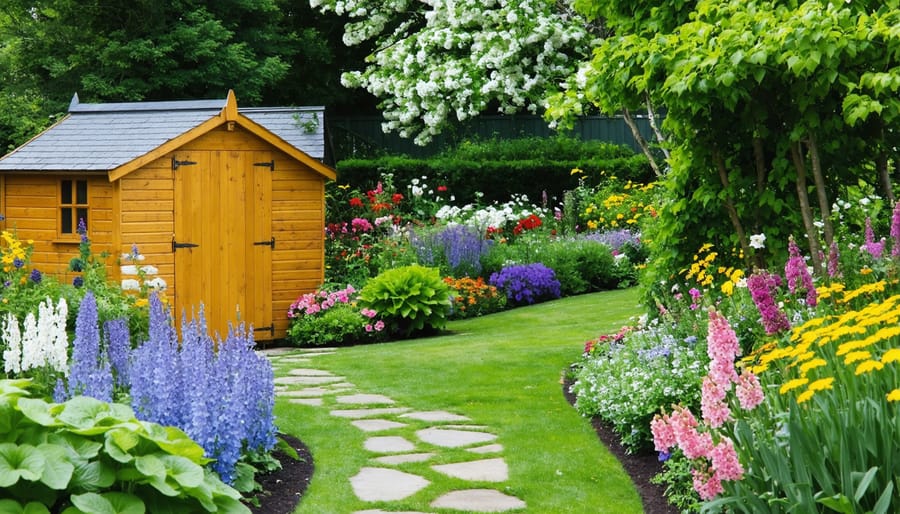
(102, 137)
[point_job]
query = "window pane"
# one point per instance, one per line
(66, 219)
(81, 214)
(81, 192)
(66, 192)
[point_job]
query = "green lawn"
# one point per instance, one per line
(503, 371)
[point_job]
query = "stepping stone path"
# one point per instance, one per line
(383, 478)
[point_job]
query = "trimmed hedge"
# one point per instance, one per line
(500, 168)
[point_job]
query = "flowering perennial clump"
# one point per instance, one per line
(473, 297)
(527, 283)
(457, 248)
(42, 344)
(762, 286)
(327, 317)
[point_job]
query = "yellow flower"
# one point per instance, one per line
(728, 288)
(868, 366)
(857, 356)
(813, 364)
(344, 186)
(892, 355)
(821, 384)
(805, 395)
(894, 396)
(865, 271)
(793, 384)
(737, 276)
(592, 225)
(705, 247)
(576, 171)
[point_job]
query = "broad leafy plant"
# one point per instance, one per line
(411, 299)
(85, 455)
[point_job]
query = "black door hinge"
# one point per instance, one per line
(270, 329)
(270, 242)
(176, 245)
(270, 165)
(176, 163)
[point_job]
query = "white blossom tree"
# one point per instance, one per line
(438, 61)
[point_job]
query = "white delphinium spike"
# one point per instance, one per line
(12, 339)
(32, 352)
(57, 338)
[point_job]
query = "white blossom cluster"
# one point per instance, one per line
(142, 272)
(438, 60)
(496, 216)
(42, 343)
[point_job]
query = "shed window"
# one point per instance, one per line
(73, 205)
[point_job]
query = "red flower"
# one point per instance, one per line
(441, 189)
(356, 202)
(397, 198)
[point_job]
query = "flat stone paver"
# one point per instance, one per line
(435, 415)
(488, 448)
(388, 444)
(309, 392)
(366, 399)
(486, 470)
(466, 427)
(379, 511)
(478, 500)
(367, 413)
(403, 459)
(314, 402)
(382, 484)
(307, 380)
(310, 372)
(453, 438)
(376, 425)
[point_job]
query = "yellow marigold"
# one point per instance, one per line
(894, 396)
(705, 247)
(737, 275)
(805, 396)
(793, 384)
(728, 288)
(851, 346)
(892, 355)
(865, 271)
(821, 384)
(867, 366)
(852, 357)
(813, 364)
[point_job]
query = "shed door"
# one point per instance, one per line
(223, 206)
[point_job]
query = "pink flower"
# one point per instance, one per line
(379, 326)
(369, 327)
(722, 372)
(696, 444)
(797, 274)
(722, 341)
(663, 435)
(725, 461)
(895, 231)
(369, 313)
(874, 248)
(707, 484)
(762, 286)
(712, 403)
(749, 391)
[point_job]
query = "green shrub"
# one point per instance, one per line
(85, 455)
(341, 324)
(501, 168)
(410, 299)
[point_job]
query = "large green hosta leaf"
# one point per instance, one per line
(106, 503)
(20, 461)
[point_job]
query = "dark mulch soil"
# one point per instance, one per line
(284, 488)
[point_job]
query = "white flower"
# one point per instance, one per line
(758, 241)
(130, 269)
(864, 201)
(149, 270)
(157, 283)
(130, 284)
(12, 338)
(32, 353)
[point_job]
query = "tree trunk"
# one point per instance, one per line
(659, 135)
(821, 191)
(730, 208)
(626, 114)
(884, 174)
(759, 159)
(803, 196)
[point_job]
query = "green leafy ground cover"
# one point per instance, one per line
(501, 370)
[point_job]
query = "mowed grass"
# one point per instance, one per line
(503, 371)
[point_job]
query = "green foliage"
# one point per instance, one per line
(341, 324)
(85, 455)
(678, 481)
(410, 298)
(501, 168)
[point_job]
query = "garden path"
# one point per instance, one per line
(380, 481)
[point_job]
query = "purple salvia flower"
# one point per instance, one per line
(154, 374)
(762, 286)
(615, 239)
(895, 231)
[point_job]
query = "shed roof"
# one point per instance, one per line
(106, 137)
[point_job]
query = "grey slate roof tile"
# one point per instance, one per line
(101, 137)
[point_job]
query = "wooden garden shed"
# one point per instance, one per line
(227, 203)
